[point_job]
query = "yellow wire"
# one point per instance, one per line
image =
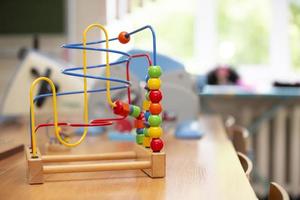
(107, 69)
(54, 105)
(33, 136)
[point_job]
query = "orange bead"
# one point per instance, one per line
(139, 123)
(155, 108)
(124, 37)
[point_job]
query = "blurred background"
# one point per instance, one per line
(253, 45)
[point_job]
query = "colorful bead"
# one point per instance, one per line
(139, 131)
(155, 132)
(121, 108)
(145, 132)
(155, 96)
(154, 120)
(134, 111)
(146, 105)
(147, 115)
(155, 108)
(139, 139)
(156, 144)
(154, 83)
(124, 37)
(139, 123)
(154, 71)
(126, 109)
(118, 109)
(147, 141)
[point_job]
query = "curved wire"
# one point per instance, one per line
(70, 71)
(76, 45)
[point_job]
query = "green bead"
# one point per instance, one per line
(135, 111)
(140, 139)
(154, 71)
(146, 132)
(154, 120)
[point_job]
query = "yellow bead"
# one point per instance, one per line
(147, 141)
(154, 83)
(146, 105)
(155, 132)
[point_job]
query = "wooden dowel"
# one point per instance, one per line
(89, 157)
(129, 165)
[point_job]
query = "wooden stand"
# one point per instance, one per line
(153, 164)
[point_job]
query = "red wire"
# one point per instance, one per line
(104, 121)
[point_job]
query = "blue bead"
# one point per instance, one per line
(147, 115)
(139, 131)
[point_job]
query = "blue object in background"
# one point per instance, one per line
(189, 130)
(96, 130)
(124, 136)
(138, 65)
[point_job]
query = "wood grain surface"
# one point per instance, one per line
(196, 169)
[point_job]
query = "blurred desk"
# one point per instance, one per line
(250, 108)
(196, 169)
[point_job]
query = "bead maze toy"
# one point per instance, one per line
(147, 154)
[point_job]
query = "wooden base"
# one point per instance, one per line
(153, 164)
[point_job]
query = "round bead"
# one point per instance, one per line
(145, 132)
(134, 111)
(147, 115)
(154, 83)
(154, 71)
(155, 108)
(156, 144)
(146, 105)
(155, 96)
(154, 120)
(124, 37)
(147, 141)
(139, 139)
(118, 109)
(139, 131)
(155, 132)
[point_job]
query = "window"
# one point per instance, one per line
(294, 33)
(174, 24)
(243, 31)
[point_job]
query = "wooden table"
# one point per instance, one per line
(196, 169)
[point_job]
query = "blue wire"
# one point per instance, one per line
(97, 66)
(77, 92)
(77, 45)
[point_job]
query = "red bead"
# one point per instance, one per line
(156, 144)
(121, 108)
(155, 108)
(118, 109)
(124, 37)
(155, 96)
